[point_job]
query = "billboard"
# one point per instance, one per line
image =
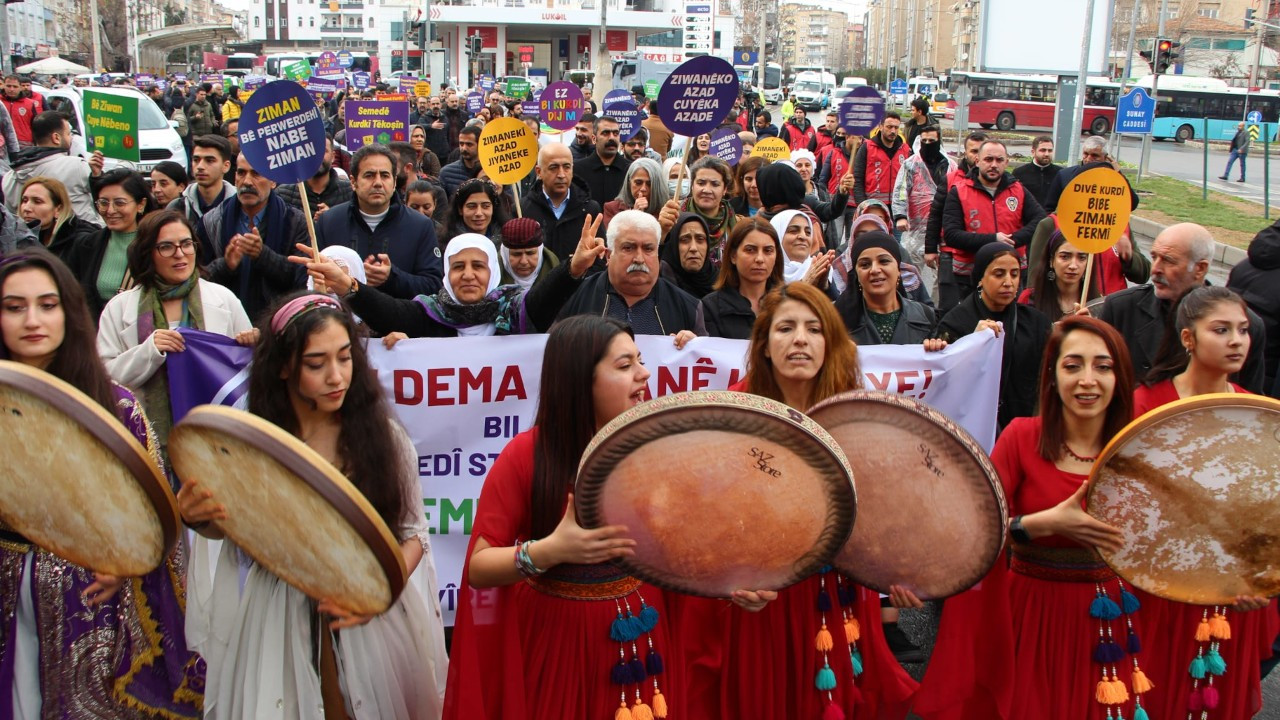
(1010, 45)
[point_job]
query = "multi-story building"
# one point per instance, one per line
(857, 46)
(915, 37)
(32, 33)
(71, 38)
(813, 35)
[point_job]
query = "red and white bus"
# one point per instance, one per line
(1027, 102)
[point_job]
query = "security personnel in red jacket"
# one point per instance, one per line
(987, 206)
(878, 161)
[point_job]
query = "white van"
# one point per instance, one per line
(852, 82)
(158, 139)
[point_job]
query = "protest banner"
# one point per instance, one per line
(112, 122)
(562, 105)
(726, 145)
(422, 88)
(517, 87)
(361, 80)
(298, 70)
(388, 97)
(772, 149)
(327, 65)
(475, 101)
(861, 111)
(1093, 212)
(463, 399)
(376, 121)
(508, 151)
(322, 88)
(530, 108)
(629, 119)
(651, 88)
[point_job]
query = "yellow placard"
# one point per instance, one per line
(772, 149)
(422, 89)
(508, 150)
(1093, 211)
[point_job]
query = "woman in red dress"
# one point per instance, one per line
(1208, 342)
(1050, 636)
(777, 663)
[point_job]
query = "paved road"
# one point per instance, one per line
(1186, 162)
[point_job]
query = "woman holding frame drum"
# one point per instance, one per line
(389, 666)
(78, 643)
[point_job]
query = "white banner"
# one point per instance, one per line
(463, 399)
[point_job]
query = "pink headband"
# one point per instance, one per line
(298, 306)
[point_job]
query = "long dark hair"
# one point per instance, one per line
(1172, 358)
(566, 418)
(368, 451)
(142, 268)
(729, 276)
(76, 361)
(1053, 428)
(457, 225)
(1045, 296)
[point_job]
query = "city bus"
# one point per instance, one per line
(360, 61)
(240, 64)
(1006, 102)
(1185, 102)
(771, 89)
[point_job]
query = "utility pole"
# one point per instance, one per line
(6, 58)
(604, 67)
(426, 47)
(1128, 71)
(1256, 70)
(404, 36)
(762, 25)
(1082, 81)
(96, 32)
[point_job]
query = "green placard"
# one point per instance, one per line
(651, 88)
(518, 88)
(112, 121)
(299, 70)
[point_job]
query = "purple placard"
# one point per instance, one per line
(322, 87)
(486, 82)
(698, 95)
(561, 105)
(253, 81)
(726, 145)
(282, 133)
(536, 94)
(614, 97)
(142, 80)
(628, 117)
(376, 121)
(360, 80)
(327, 64)
(180, 76)
(212, 79)
(530, 108)
(861, 110)
(475, 101)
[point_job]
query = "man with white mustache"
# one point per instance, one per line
(631, 289)
(1180, 259)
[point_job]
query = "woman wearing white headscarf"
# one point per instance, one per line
(800, 249)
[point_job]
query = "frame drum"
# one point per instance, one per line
(1194, 487)
(289, 509)
(722, 491)
(933, 513)
(76, 482)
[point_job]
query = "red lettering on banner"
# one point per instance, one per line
(704, 370)
(669, 383)
(407, 386)
(904, 378)
(438, 385)
(879, 382)
(512, 385)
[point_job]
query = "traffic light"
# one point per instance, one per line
(476, 43)
(1149, 56)
(1248, 18)
(1168, 53)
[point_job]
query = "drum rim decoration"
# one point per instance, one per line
(107, 429)
(1145, 422)
(314, 471)
(971, 447)
(841, 514)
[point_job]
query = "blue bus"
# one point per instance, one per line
(1185, 102)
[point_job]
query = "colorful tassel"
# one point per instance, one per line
(1140, 713)
(824, 600)
(1195, 701)
(1214, 663)
(845, 594)
(653, 663)
(1104, 608)
(618, 630)
(621, 674)
(635, 669)
(855, 658)
(1210, 694)
(823, 642)
(1219, 628)
(826, 679)
(1198, 668)
(1103, 693)
(640, 711)
(1108, 652)
(1203, 634)
(852, 630)
(648, 617)
(1133, 645)
(623, 713)
(659, 704)
(1129, 602)
(833, 712)
(1141, 683)
(1119, 692)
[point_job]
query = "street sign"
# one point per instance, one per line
(1136, 113)
(747, 57)
(898, 87)
(1254, 131)
(1254, 117)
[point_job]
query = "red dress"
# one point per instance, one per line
(764, 665)
(1022, 644)
(1172, 626)
(522, 652)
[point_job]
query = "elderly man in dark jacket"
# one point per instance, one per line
(631, 289)
(1180, 258)
(401, 255)
(558, 200)
(1257, 279)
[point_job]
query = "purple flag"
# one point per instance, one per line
(213, 369)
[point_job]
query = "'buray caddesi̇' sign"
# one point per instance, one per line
(697, 96)
(281, 132)
(463, 399)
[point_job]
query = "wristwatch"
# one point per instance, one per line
(1017, 532)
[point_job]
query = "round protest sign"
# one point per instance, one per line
(772, 149)
(1094, 209)
(281, 133)
(561, 105)
(345, 59)
(508, 150)
(327, 64)
(475, 101)
(628, 117)
(698, 95)
(614, 97)
(726, 145)
(861, 111)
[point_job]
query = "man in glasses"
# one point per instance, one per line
(49, 157)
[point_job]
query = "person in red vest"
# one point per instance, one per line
(799, 132)
(21, 109)
(878, 161)
(986, 206)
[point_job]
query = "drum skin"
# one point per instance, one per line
(289, 509)
(75, 481)
(931, 510)
(722, 491)
(1195, 488)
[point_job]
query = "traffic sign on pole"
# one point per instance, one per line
(1136, 113)
(1254, 117)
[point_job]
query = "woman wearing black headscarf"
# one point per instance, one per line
(875, 307)
(781, 188)
(685, 256)
(1025, 330)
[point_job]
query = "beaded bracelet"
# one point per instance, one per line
(524, 563)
